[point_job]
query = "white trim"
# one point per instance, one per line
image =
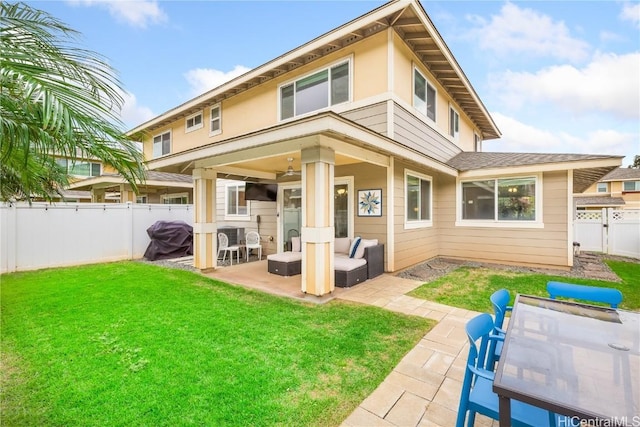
(219, 131)
(153, 144)
(421, 223)
(496, 223)
(347, 59)
(426, 95)
(235, 217)
(570, 215)
(456, 132)
(349, 181)
(477, 142)
(391, 217)
(193, 127)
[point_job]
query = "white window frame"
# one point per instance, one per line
(421, 223)
(235, 217)
(477, 142)
(142, 199)
(194, 126)
(636, 185)
(454, 128)
(164, 197)
(348, 60)
(218, 119)
(68, 165)
(429, 83)
(496, 223)
(153, 141)
(602, 187)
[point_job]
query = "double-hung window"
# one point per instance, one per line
(424, 95)
(454, 123)
(418, 196)
(477, 142)
(193, 122)
(162, 144)
(235, 203)
(631, 186)
(505, 200)
(324, 88)
(603, 187)
(215, 126)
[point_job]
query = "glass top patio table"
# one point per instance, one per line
(572, 359)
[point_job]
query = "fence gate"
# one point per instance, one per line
(610, 231)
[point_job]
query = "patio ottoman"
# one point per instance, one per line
(285, 263)
(349, 271)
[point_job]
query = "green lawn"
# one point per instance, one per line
(470, 287)
(131, 344)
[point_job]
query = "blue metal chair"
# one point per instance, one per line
(499, 300)
(477, 394)
(610, 296)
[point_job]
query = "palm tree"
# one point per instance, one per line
(55, 99)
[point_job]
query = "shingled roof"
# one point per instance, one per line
(622, 174)
(583, 174)
(599, 201)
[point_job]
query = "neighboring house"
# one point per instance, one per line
(620, 189)
(159, 187)
(374, 114)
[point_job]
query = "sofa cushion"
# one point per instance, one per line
(341, 245)
(364, 243)
(347, 264)
(295, 244)
(285, 256)
(354, 247)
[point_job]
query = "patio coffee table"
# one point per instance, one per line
(572, 359)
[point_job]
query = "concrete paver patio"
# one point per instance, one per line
(424, 388)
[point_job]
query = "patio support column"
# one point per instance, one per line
(98, 195)
(205, 241)
(317, 232)
(126, 194)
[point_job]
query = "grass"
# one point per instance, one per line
(130, 344)
(470, 288)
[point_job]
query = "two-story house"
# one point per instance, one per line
(378, 106)
(618, 189)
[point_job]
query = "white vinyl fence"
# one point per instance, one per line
(46, 235)
(610, 231)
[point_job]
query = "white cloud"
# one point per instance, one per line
(137, 13)
(609, 83)
(520, 137)
(133, 114)
(631, 12)
(203, 79)
(526, 31)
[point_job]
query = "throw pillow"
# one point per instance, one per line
(354, 246)
(364, 243)
(295, 244)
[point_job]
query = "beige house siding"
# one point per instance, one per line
(414, 133)
(546, 246)
(411, 245)
(373, 116)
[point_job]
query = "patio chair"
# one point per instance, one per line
(223, 246)
(499, 300)
(610, 296)
(477, 394)
(252, 241)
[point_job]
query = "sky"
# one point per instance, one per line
(556, 76)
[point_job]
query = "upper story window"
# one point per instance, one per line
(603, 187)
(215, 123)
(193, 122)
(477, 142)
(330, 86)
(79, 167)
(418, 198)
(500, 200)
(424, 95)
(631, 186)
(162, 144)
(235, 203)
(454, 123)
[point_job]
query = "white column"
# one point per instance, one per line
(205, 237)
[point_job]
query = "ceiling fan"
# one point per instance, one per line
(290, 171)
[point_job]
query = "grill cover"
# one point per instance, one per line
(169, 239)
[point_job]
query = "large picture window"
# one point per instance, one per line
(510, 199)
(235, 203)
(330, 86)
(162, 144)
(424, 95)
(418, 195)
(80, 168)
(631, 186)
